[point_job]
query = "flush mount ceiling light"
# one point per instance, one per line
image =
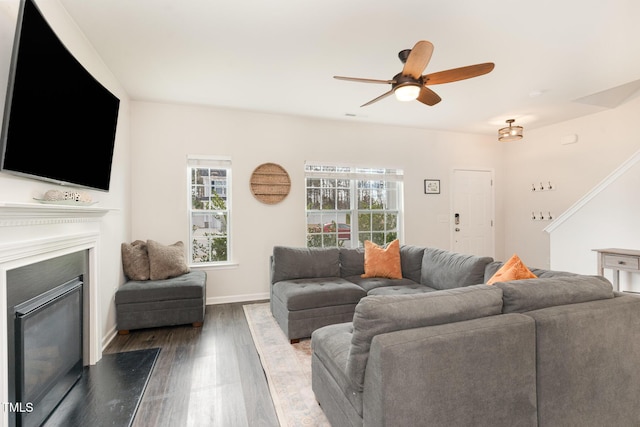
(510, 133)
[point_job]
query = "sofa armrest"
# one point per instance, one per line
(475, 372)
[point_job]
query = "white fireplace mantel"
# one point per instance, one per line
(14, 214)
(32, 232)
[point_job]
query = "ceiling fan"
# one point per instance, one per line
(410, 84)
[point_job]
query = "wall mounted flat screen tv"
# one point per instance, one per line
(59, 121)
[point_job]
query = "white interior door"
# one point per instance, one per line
(472, 212)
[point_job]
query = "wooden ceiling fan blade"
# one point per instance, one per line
(457, 74)
(384, 95)
(358, 79)
(418, 59)
(428, 97)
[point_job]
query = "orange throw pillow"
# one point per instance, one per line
(382, 262)
(514, 269)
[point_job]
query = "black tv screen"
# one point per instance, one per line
(59, 121)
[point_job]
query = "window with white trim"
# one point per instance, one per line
(346, 205)
(209, 209)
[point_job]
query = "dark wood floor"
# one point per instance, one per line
(209, 376)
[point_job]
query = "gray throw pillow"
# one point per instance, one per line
(166, 261)
(135, 260)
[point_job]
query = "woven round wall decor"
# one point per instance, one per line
(270, 183)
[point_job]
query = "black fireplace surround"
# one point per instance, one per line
(45, 305)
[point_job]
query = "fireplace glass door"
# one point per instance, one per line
(48, 350)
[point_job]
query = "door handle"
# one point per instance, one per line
(457, 229)
(456, 220)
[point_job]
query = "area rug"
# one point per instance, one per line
(287, 368)
(108, 393)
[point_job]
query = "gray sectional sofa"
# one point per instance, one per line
(314, 287)
(440, 348)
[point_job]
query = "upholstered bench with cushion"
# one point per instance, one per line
(161, 291)
(151, 303)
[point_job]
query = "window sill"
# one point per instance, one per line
(218, 266)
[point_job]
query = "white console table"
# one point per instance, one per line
(617, 260)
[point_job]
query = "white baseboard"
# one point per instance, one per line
(237, 298)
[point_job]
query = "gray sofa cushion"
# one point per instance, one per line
(415, 288)
(447, 270)
(376, 315)
(351, 262)
(494, 266)
(543, 274)
(531, 294)
(302, 263)
(411, 262)
(331, 346)
(302, 294)
(370, 283)
(586, 356)
(475, 373)
(189, 285)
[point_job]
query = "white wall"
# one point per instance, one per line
(608, 218)
(605, 140)
(163, 135)
(115, 226)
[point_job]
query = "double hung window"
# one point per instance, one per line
(209, 209)
(346, 205)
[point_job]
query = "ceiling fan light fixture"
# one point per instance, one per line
(407, 92)
(510, 133)
(410, 84)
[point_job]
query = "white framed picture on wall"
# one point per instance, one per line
(431, 186)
